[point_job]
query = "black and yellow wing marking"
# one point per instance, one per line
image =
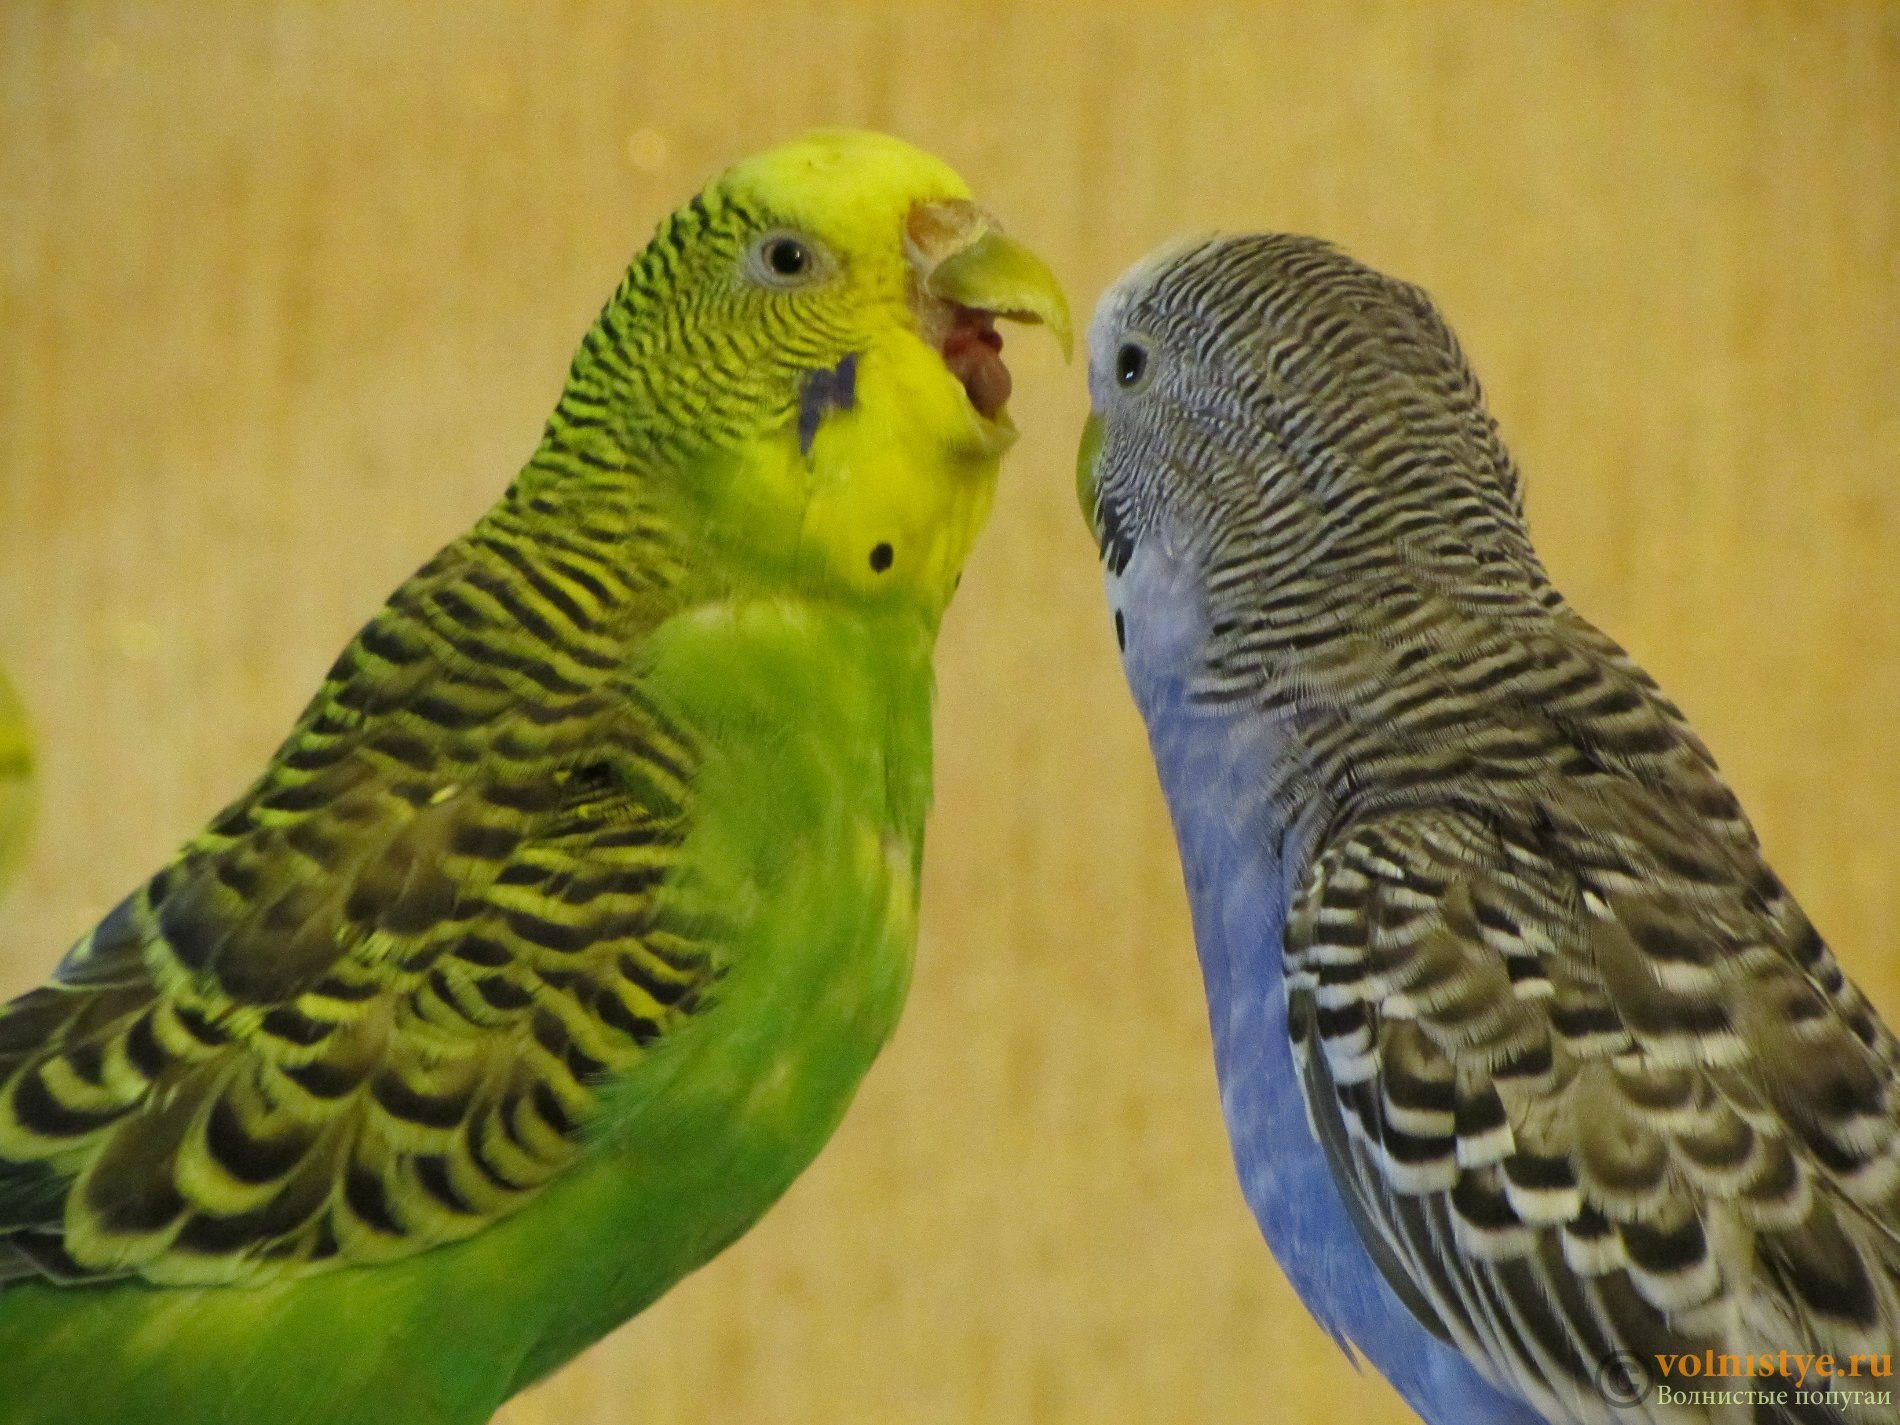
(1591, 1083)
(370, 1008)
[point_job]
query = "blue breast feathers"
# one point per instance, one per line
(1214, 766)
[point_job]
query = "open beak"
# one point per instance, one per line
(969, 274)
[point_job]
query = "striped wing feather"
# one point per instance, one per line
(369, 1009)
(1587, 1092)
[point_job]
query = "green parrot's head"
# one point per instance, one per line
(810, 345)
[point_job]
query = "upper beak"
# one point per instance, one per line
(1086, 455)
(962, 256)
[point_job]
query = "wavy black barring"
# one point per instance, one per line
(1624, 1378)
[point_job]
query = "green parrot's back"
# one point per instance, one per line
(789, 922)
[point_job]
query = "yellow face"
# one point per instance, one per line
(875, 283)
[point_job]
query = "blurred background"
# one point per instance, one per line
(287, 289)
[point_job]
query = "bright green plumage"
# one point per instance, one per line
(555, 940)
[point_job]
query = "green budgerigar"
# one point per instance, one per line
(555, 940)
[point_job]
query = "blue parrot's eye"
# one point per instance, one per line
(1131, 363)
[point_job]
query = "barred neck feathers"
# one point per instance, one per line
(1309, 435)
(660, 405)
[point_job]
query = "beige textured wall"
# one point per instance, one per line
(285, 291)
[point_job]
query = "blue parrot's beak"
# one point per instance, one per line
(1085, 458)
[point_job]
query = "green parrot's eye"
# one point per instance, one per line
(782, 259)
(1131, 364)
(788, 257)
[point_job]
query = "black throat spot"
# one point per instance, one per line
(1112, 536)
(825, 391)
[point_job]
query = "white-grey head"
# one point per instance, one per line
(1300, 427)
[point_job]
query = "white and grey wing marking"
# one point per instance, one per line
(1582, 1110)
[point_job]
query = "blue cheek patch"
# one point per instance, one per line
(825, 391)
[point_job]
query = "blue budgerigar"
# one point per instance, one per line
(1547, 1096)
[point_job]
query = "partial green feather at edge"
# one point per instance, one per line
(17, 782)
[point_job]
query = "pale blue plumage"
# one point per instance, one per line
(1212, 764)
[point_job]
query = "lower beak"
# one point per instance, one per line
(970, 274)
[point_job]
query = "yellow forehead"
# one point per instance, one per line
(847, 185)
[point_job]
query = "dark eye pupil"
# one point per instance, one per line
(787, 256)
(1130, 362)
